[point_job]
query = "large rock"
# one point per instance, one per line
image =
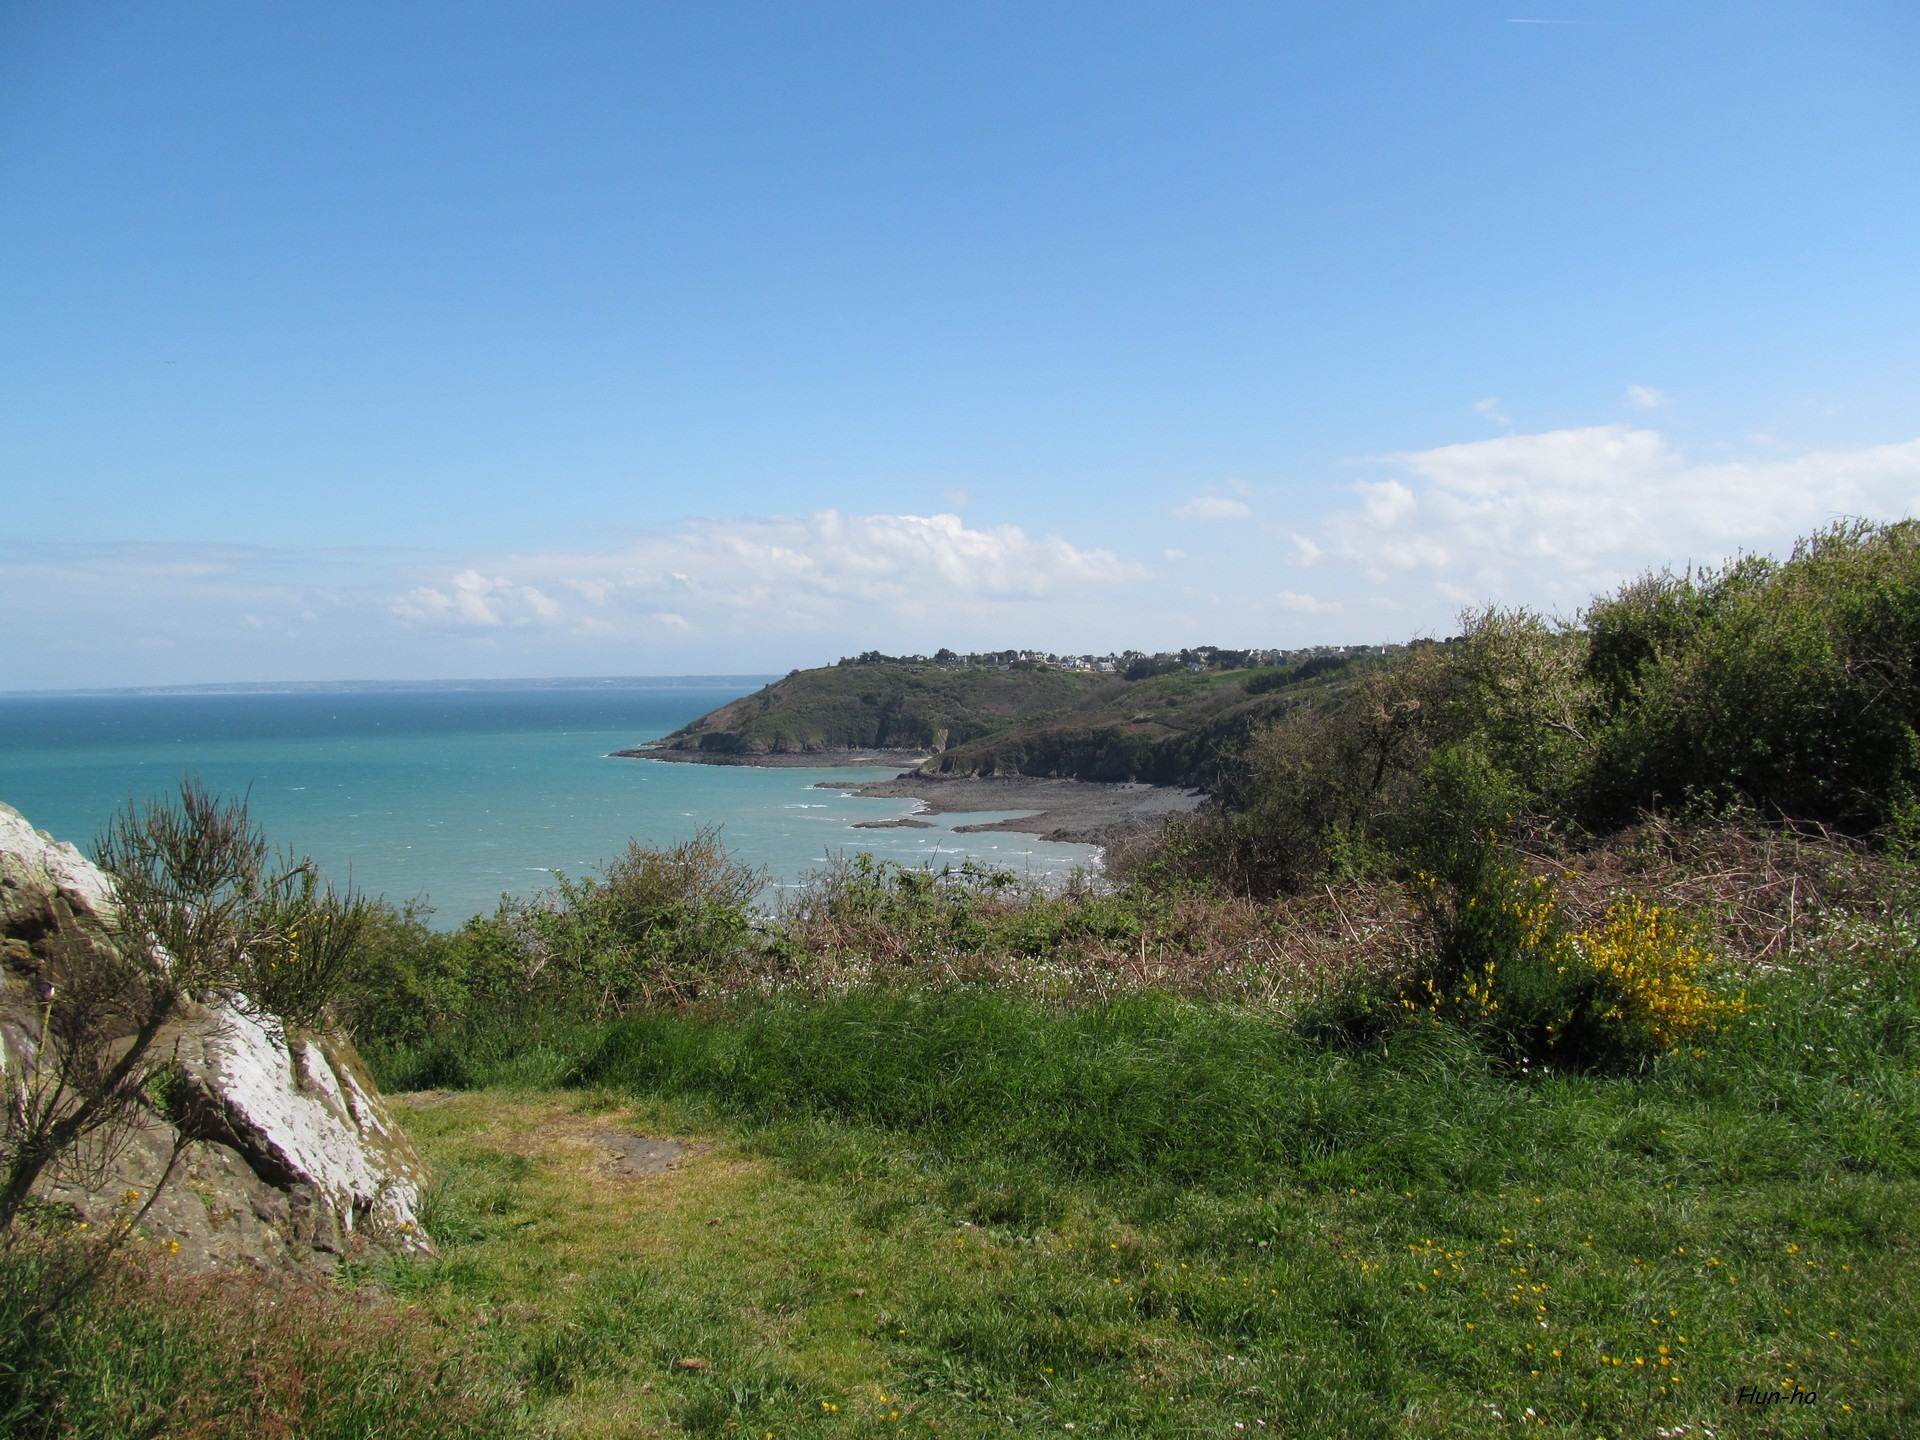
(291, 1156)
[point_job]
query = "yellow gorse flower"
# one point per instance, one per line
(1650, 993)
(1653, 968)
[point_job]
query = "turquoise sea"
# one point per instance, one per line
(460, 795)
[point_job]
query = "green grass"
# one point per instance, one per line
(141, 1349)
(955, 1211)
(1818, 1077)
(1154, 1218)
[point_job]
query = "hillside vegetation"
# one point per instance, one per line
(1785, 689)
(1170, 728)
(897, 706)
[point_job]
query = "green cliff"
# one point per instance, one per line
(1170, 728)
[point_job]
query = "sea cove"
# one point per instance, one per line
(462, 794)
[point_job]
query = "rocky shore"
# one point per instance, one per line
(777, 759)
(1078, 811)
(1081, 811)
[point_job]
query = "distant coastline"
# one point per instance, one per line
(370, 687)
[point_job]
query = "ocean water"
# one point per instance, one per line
(459, 796)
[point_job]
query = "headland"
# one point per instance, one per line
(1090, 746)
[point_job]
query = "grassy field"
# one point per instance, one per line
(963, 1213)
(923, 1198)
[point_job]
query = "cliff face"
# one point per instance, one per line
(290, 1155)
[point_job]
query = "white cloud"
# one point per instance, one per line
(1552, 518)
(1212, 507)
(471, 598)
(710, 596)
(723, 574)
(1306, 604)
(1645, 397)
(1491, 408)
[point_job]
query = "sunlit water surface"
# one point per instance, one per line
(461, 795)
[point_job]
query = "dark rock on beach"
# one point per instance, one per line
(1079, 811)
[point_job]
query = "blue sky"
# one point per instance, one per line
(458, 340)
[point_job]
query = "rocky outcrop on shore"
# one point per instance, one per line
(823, 759)
(1082, 812)
(288, 1155)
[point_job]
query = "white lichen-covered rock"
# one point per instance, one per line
(291, 1155)
(305, 1115)
(32, 861)
(40, 877)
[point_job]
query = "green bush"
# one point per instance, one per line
(1788, 686)
(406, 979)
(911, 911)
(1312, 785)
(1501, 965)
(917, 915)
(657, 925)
(1498, 958)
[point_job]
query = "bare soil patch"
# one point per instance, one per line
(641, 1154)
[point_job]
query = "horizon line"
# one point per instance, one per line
(285, 687)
